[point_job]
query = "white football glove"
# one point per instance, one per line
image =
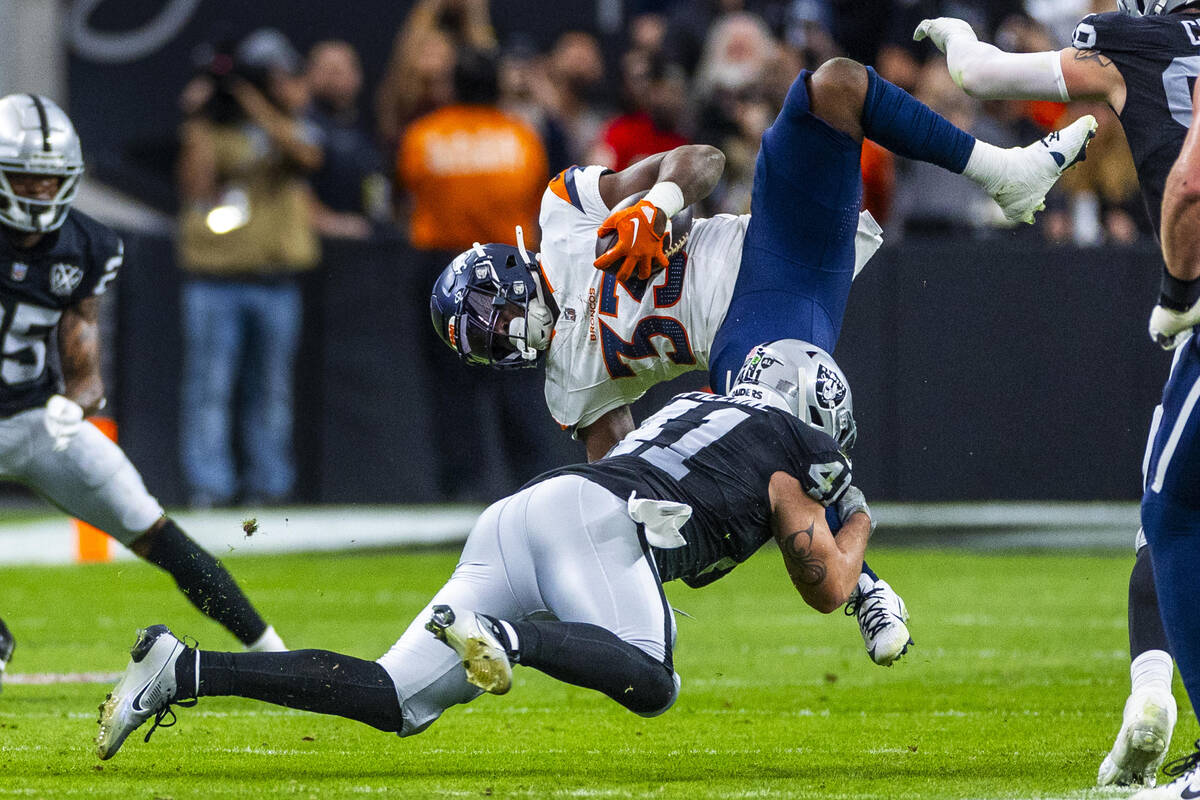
(1170, 328)
(63, 419)
(851, 502)
(941, 29)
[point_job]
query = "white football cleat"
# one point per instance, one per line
(881, 619)
(1186, 785)
(1141, 746)
(479, 648)
(146, 689)
(1032, 170)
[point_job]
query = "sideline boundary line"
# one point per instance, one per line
(334, 528)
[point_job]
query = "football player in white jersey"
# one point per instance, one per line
(55, 264)
(608, 328)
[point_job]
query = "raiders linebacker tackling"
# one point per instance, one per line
(566, 575)
(55, 263)
(782, 272)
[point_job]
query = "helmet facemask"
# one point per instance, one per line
(31, 214)
(501, 322)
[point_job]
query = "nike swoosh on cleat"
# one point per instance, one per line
(1059, 158)
(1189, 793)
(137, 700)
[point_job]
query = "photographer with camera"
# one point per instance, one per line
(245, 233)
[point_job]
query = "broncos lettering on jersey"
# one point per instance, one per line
(717, 455)
(1159, 58)
(77, 261)
(613, 341)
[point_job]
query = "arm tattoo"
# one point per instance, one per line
(1093, 55)
(79, 351)
(797, 549)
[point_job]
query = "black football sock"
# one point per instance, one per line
(1145, 623)
(310, 680)
(204, 582)
(594, 658)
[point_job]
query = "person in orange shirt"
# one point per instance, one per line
(471, 170)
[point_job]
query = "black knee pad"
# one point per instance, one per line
(654, 692)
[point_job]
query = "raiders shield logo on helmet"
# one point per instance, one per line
(830, 389)
(64, 278)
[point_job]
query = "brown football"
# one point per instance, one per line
(679, 228)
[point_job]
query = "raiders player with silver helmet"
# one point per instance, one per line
(565, 576)
(55, 264)
(802, 379)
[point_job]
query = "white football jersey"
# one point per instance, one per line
(613, 341)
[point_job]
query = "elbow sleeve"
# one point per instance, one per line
(988, 73)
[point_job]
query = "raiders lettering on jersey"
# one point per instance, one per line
(77, 261)
(717, 454)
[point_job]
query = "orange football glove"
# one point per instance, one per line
(640, 230)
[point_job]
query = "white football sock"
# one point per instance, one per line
(1151, 670)
(269, 642)
(987, 165)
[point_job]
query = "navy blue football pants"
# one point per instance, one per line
(1171, 512)
(798, 256)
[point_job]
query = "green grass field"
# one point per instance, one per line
(1014, 690)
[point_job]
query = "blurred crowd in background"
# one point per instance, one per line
(464, 130)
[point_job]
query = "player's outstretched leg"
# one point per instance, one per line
(1017, 178)
(163, 672)
(578, 653)
(1150, 711)
(206, 584)
(7, 643)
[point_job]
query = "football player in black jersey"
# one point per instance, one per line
(55, 263)
(566, 575)
(1141, 60)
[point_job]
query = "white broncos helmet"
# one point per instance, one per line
(802, 379)
(1149, 8)
(37, 137)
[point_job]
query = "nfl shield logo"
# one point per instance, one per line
(64, 278)
(19, 271)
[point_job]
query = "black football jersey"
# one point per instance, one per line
(1159, 58)
(77, 261)
(717, 454)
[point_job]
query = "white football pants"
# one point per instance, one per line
(564, 548)
(91, 479)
